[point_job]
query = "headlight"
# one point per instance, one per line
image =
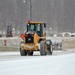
(48, 42)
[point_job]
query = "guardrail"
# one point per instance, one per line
(13, 43)
(10, 42)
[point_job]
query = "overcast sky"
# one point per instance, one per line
(58, 14)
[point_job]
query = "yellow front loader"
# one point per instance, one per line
(34, 39)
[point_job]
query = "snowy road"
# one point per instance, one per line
(60, 63)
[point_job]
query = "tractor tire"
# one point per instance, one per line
(23, 52)
(30, 53)
(49, 48)
(42, 51)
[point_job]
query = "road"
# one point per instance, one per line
(60, 63)
(5, 56)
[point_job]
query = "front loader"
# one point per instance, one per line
(34, 39)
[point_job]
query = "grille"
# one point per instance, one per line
(29, 38)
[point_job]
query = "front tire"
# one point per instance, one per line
(42, 50)
(46, 49)
(49, 47)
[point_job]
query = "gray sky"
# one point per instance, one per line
(58, 14)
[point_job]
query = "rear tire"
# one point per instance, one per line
(23, 52)
(30, 53)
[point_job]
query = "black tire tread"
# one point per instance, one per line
(23, 52)
(30, 53)
(42, 52)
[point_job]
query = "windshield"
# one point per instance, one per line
(34, 27)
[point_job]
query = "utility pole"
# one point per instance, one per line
(30, 10)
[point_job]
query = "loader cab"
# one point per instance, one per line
(36, 27)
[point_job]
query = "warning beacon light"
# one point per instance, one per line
(28, 21)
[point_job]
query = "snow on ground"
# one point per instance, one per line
(41, 65)
(9, 53)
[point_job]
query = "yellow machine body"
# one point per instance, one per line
(35, 46)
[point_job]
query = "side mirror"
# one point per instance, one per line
(44, 25)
